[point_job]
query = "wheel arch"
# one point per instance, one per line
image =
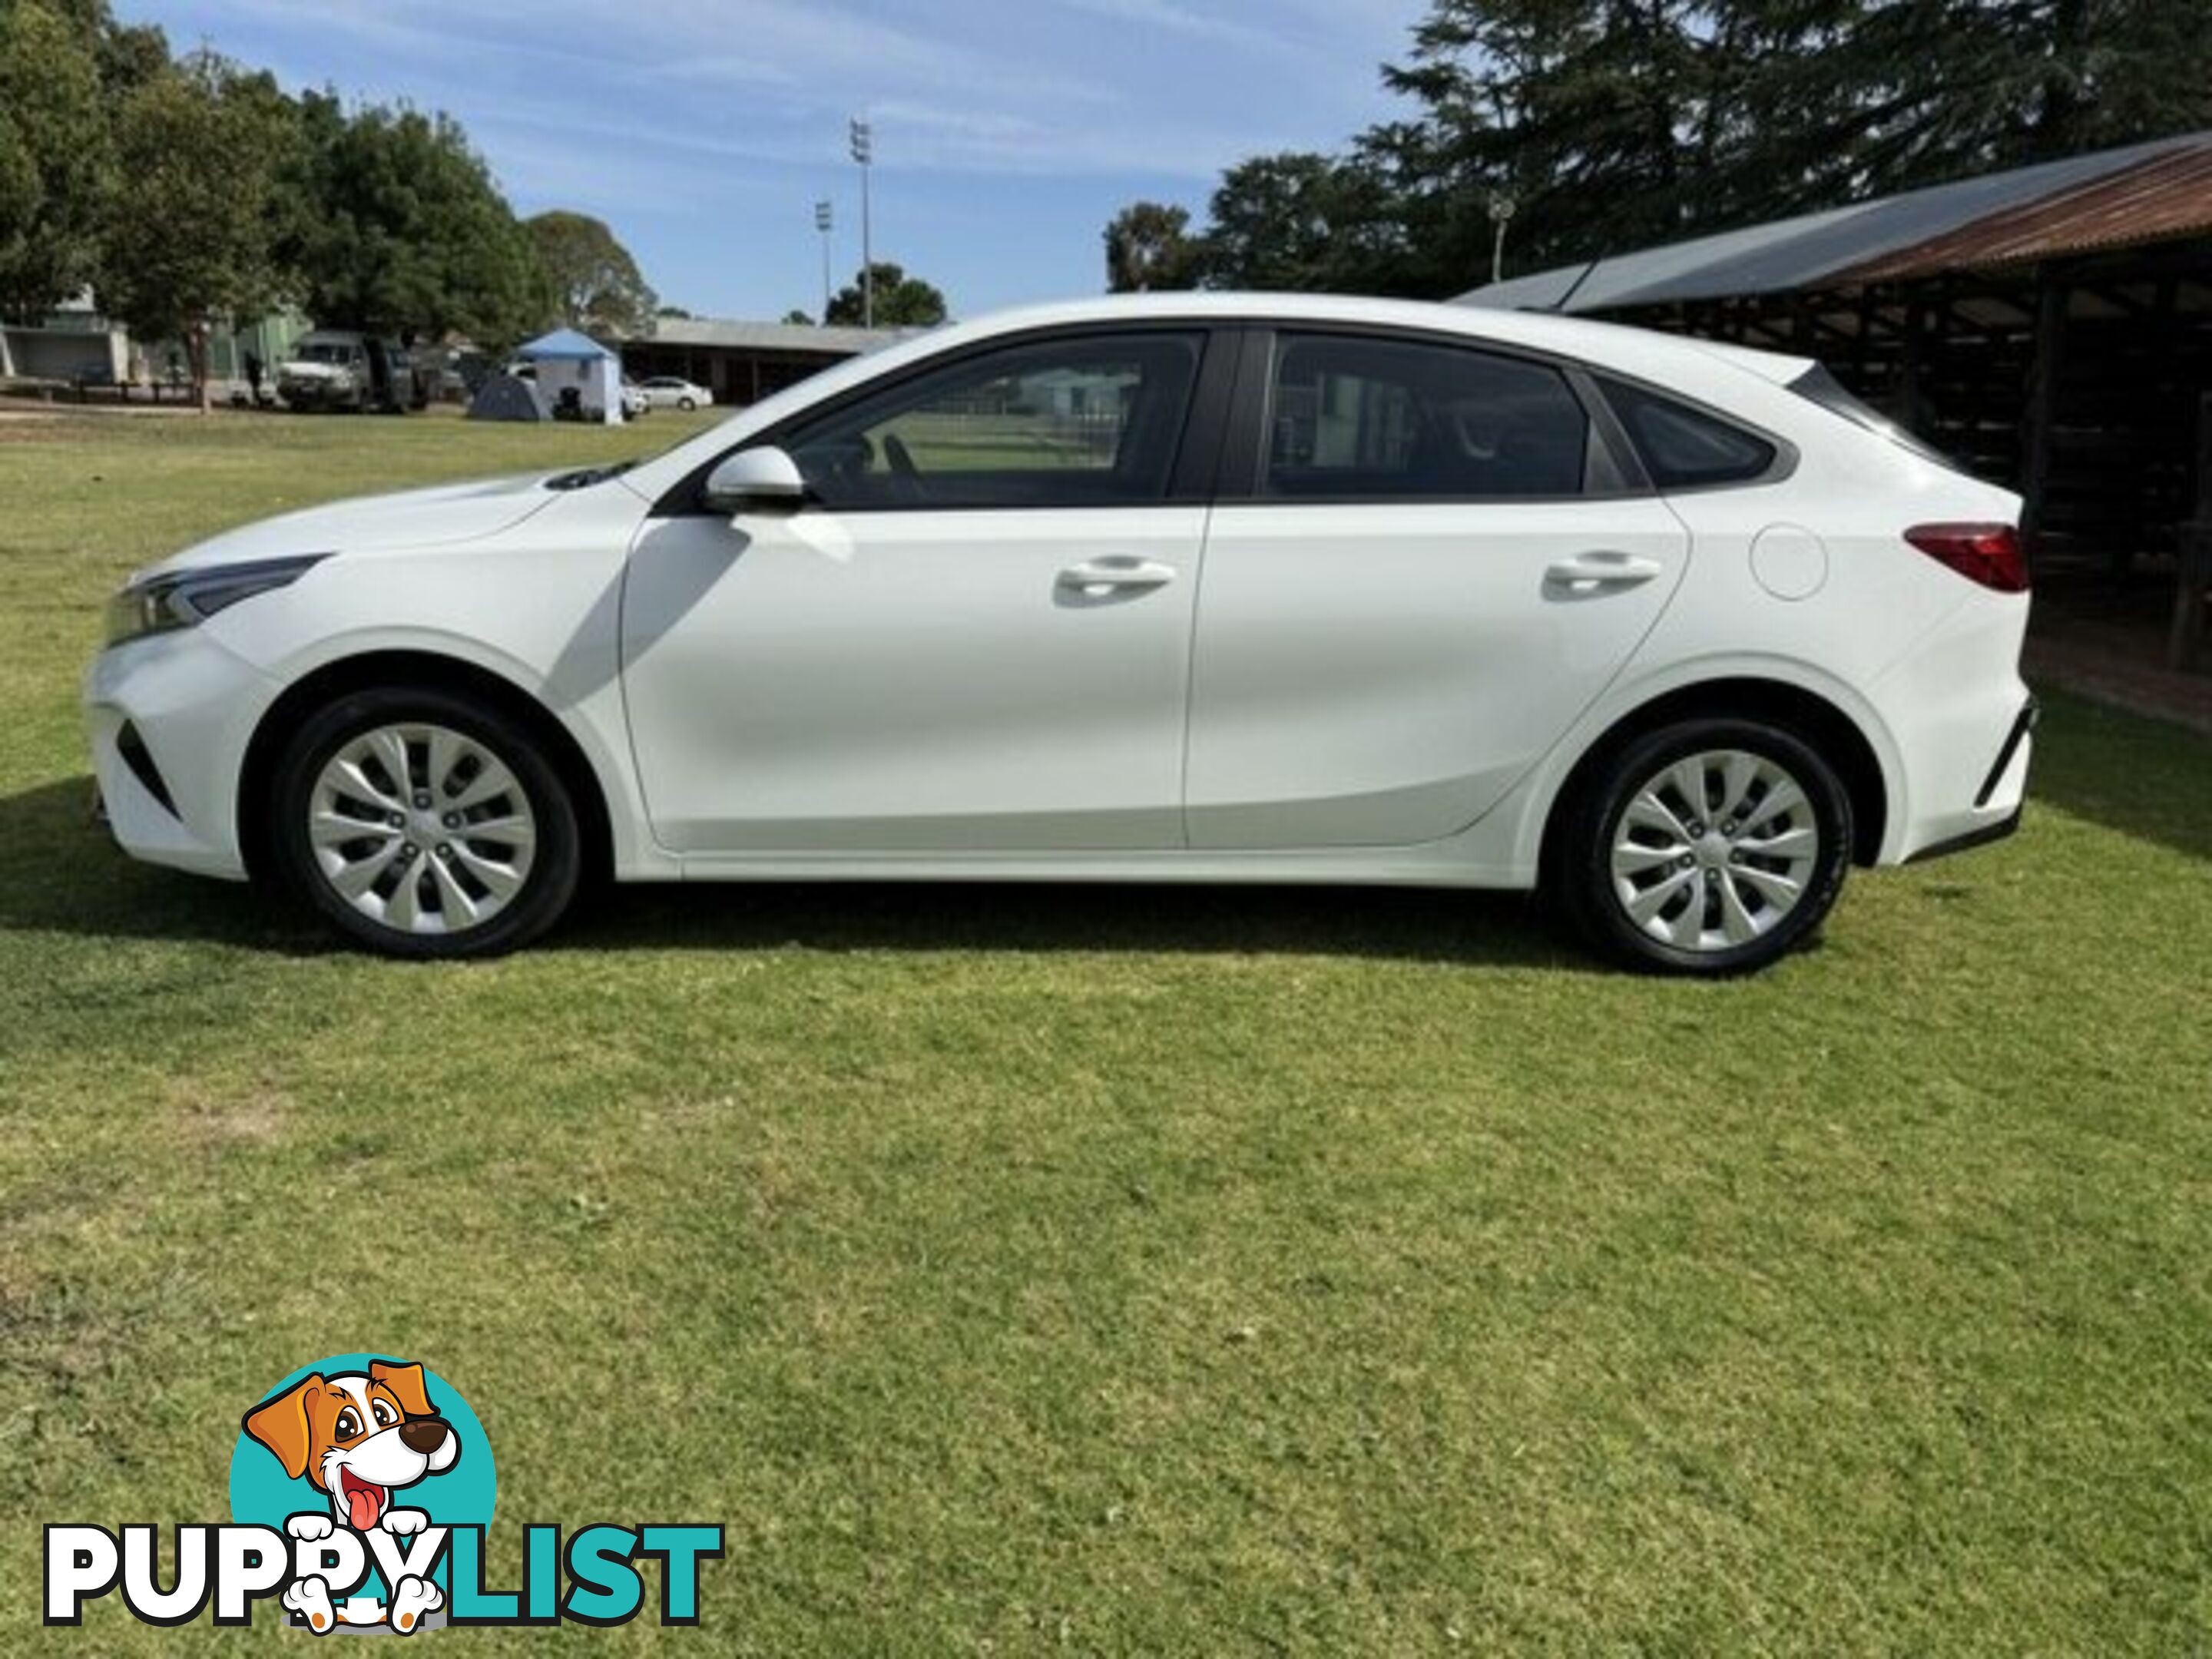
(375, 669)
(1839, 737)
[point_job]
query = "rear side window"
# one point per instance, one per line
(1685, 448)
(1362, 419)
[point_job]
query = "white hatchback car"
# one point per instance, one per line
(1208, 588)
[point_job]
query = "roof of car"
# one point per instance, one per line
(1573, 336)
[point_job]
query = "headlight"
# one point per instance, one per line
(185, 598)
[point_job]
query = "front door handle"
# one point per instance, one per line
(1595, 572)
(1097, 576)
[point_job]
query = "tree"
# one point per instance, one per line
(902, 302)
(127, 55)
(797, 318)
(1612, 124)
(57, 159)
(1616, 123)
(395, 227)
(1301, 222)
(596, 286)
(1148, 246)
(379, 219)
(1949, 87)
(1594, 116)
(187, 232)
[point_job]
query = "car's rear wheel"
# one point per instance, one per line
(687, 404)
(426, 823)
(1712, 846)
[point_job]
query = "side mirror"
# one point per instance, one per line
(754, 480)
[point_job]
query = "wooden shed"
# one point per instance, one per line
(744, 363)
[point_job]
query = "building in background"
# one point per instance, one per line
(742, 363)
(270, 338)
(75, 345)
(71, 342)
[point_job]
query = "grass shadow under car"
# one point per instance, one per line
(60, 873)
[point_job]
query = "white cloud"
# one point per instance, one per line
(1084, 87)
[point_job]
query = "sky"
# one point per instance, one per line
(1007, 132)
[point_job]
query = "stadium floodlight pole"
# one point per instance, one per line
(822, 222)
(864, 152)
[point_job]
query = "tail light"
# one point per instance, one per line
(1991, 554)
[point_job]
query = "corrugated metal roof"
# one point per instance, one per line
(1816, 249)
(766, 337)
(2167, 197)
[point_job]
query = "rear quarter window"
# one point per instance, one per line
(1684, 447)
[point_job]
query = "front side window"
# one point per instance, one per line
(1087, 422)
(1362, 419)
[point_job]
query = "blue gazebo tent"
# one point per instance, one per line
(563, 343)
(567, 359)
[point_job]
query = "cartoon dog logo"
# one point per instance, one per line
(359, 1437)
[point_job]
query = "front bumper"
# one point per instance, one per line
(168, 717)
(314, 394)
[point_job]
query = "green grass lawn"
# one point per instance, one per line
(1021, 1271)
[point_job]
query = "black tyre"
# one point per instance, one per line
(425, 823)
(687, 404)
(1712, 846)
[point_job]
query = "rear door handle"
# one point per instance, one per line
(1594, 573)
(1096, 576)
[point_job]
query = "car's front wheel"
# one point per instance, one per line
(1712, 846)
(687, 404)
(426, 823)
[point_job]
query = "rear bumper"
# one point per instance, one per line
(2030, 716)
(2005, 781)
(1961, 724)
(1973, 838)
(1959, 798)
